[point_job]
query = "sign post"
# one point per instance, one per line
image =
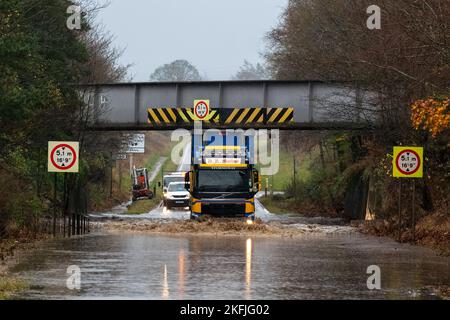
(62, 157)
(133, 143)
(408, 163)
(400, 211)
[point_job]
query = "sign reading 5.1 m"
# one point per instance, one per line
(408, 162)
(63, 156)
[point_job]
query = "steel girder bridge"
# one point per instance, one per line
(304, 105)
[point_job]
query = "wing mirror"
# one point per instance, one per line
(187, 180)
(256, 181)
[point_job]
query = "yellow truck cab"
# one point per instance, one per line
(222, 181)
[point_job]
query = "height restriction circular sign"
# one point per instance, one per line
(408, 162)
(63, 156)
(201, 109)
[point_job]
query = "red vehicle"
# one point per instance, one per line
(141, 187)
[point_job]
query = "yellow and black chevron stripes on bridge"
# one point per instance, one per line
(259, 115)
(232, 116)
(166, 116)
(279, 115)
(245, 115)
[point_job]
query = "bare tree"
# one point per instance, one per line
(329, 40)
(249, 71)
(178, 70)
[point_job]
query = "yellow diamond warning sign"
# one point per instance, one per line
(408, 162)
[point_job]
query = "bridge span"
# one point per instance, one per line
(304, 105)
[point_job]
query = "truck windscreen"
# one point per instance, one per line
(223, 181)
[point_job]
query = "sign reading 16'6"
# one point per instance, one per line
(63, 156)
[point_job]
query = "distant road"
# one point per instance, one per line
(186, 161)
(155, 171)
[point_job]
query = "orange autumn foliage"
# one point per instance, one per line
(432, 115)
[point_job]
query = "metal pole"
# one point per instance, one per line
(64, 204)
(69, 225)
(267, 187)
(131, 164)
(273, 184)
(78, 229)
(54, 203)
(295, 183)
(73, 222)
(400, 211)
(413, 210)
(120, 174)
(111, 180)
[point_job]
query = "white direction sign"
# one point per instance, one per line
(120, 156)
(63, 156)
(133, 143)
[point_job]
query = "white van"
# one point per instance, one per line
(176, 195)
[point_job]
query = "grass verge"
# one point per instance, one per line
(10, 286)
(143, 206)
(277, 204)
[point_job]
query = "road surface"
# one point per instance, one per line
(151, 266)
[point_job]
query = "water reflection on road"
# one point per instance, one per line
(150, 266)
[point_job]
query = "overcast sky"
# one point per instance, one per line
(214, 35)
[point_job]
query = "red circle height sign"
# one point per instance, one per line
(201, 109)
(63, 147)
(407, 162)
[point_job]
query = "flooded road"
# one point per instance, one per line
(156, 266)
(326, 260)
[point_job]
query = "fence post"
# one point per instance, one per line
(111, 177)
(414, 210)
(54, 203)
(400, 211)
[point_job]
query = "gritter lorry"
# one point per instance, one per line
(222, 181)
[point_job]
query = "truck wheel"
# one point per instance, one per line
(192, 216)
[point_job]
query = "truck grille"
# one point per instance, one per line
(223, 209)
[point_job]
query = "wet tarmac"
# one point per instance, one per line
(154, 266)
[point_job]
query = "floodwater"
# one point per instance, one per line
(329, 264)
(155, 266)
